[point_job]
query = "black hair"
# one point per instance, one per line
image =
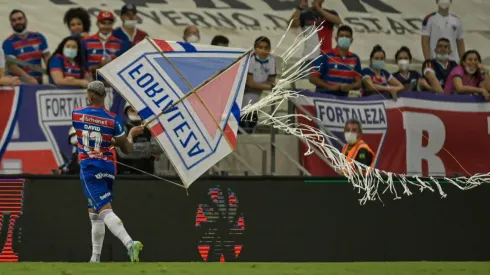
(81, 14)
(262, 39)
(220, 39)
(79, 59)
(376, 49)
(465, 55)
(443, 39)
(403, 49)
(345, 28)
(355, 121)
(16, 11)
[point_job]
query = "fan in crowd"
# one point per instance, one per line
(78, 22)
(128, 31)
(376, 78)
(410, 79)
(67, 66)
(220, 40)
(471, 77)
(437, 70)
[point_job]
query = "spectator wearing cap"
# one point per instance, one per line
(99, 49)
(30, 47)
(191, 34)
(78, 22)
(128, 31)
(220, 40)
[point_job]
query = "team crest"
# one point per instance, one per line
(333, 115)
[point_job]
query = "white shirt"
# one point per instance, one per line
(437, 26)
(2, 59)
(261, 70)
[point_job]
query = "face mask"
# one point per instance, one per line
(378, 64)
(70, 53)
(444, 4)
(134, 117)
(104, 36)
(442, 57)
(73, 140)
(130, 23)
(403, 64)
(344, 42)
(22, 32)
(350, 137)
(470, 70)
(193, 38)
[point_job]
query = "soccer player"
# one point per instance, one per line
(96, 128)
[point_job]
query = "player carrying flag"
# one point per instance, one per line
(96, 128)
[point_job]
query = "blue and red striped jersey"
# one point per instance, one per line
(32, 49)
(335, 69)
(94, 49)
(381, 80)
(62, 64)
(95, 127)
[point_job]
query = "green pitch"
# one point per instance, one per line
(415, 268)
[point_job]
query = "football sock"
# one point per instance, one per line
(116, 226)
(98, 232)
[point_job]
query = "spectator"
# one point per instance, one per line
(30, 47)
(6, 80)
(78, 22)
(338, 71)
(437, 70)
(261, 76)
(67, 65)
(471, 77)
(191, 34)
(376, 78)
(220, 40)
(102, 47)
(409, 78)
(128, 31)
(71, 166)
(146, 148)
(313, 17)
(442, 24)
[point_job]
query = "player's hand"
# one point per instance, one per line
(136, 131)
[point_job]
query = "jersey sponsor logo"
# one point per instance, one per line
(91, 127)
(333, 114)
(94, 120)
(104, 175)
(105, 196)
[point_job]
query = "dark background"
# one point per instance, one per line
(285, 219)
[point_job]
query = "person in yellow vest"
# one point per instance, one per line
(355, 148)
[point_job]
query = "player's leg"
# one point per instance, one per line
(116, 226)
(98, 233)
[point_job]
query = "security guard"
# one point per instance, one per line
(146, 149)
(356, 149)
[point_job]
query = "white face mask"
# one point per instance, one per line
(403, 64)
(350, 137)
(193, 38)
(130, 23)
(444, 4)
(105, 36)
(134, 117)
(442, 57)
(470, 70)
(73, 140)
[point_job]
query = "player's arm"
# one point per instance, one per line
(125, 143)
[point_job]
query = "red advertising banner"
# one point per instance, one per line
(418, 134)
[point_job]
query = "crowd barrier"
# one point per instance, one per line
(245, 219)
(420, 133)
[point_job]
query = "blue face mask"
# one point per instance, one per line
(343, 42)
(378, 64)
(70, 53)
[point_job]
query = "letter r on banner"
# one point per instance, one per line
(415, 124)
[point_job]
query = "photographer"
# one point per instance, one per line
(146, 149)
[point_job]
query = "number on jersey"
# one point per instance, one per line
(95, 136)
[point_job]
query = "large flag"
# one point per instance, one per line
(198, 87)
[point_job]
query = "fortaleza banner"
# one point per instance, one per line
(39, 125)
(390, 23)
(419, 134)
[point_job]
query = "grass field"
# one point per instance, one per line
(415, 268)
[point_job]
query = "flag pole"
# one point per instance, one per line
(196, 88)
